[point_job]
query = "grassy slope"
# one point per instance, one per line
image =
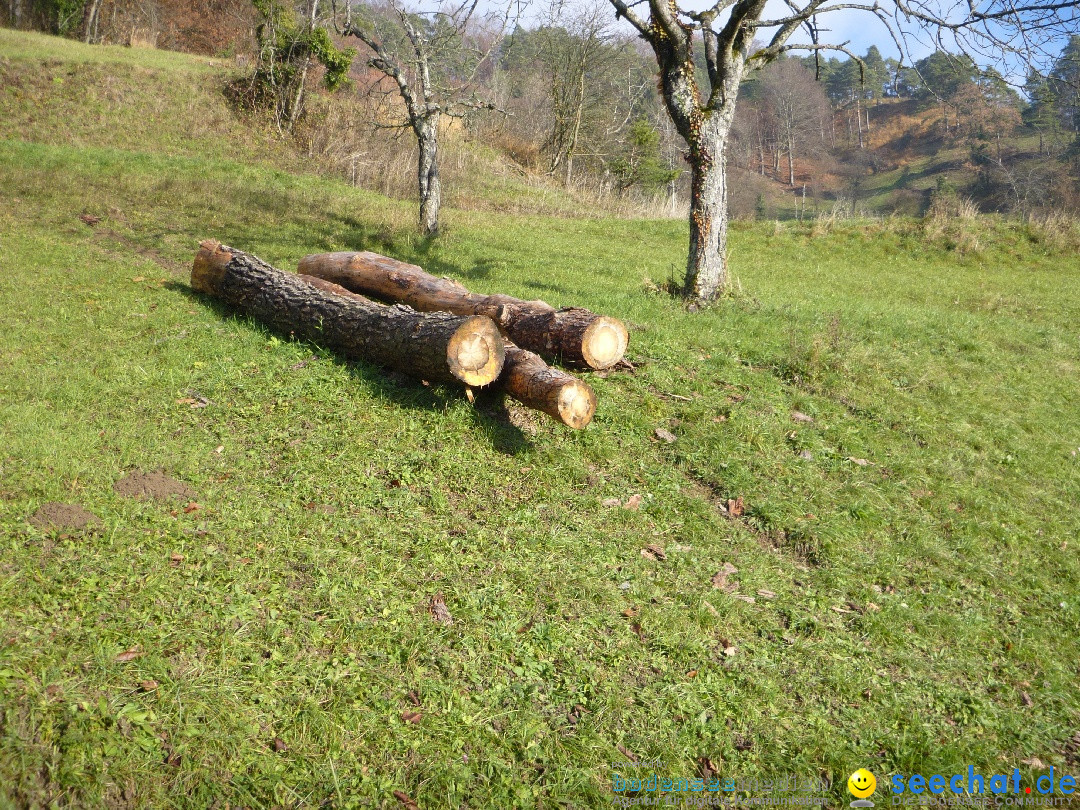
(918, 598)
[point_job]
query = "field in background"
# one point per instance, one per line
(894, 402)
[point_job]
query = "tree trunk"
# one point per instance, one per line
(438, 346)
(90, 14)
(575, 132)
(427, 138)
(535, 384)
(575, 336)
(706, 266)
(791, 162)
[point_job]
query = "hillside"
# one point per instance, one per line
(906, 157)
(879, 430)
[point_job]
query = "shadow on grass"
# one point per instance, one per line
(490, 416)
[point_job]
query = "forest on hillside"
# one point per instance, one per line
(568, 96)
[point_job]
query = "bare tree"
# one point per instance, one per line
(797, 103)
(1002, 30)
(434, 58)
(573, 45)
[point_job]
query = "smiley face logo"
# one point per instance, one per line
(861, 784)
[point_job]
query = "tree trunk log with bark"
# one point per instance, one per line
(439, 347)
(525, 376)
(575, 336)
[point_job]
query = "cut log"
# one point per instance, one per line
(525, 377)
(437, 346)
(535, 384)
(572, 335)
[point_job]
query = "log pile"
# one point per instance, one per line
(430, 328)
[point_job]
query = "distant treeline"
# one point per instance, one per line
(581, 105)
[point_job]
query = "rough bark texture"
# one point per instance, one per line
(706, 266)
(535, 384)
(572, 335)
(427, 169)
(438, 347)
(525, 376)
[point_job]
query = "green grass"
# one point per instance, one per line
(919, 597)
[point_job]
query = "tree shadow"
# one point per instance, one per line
(489, 416)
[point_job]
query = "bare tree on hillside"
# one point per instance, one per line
(1020, 30)
(435, 59)
(797, 103)
(573, 45)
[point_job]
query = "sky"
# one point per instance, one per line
(859, 29)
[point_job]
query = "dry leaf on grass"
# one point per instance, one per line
(720, 578)
(1026, 698)
(748, 599)
(626, 752)
(406, 800)
(653, 552)
(664, 435)
(862, 462)
(799, 416)
(576, 713)
(148, 686)
(735, 507)
(279, 745)
(633, 503)
(128, 655)
(610, 502)
(709, 769)
(410, 716)
(439, 611)
(1033, 762)
(766, 594)
(89, 219)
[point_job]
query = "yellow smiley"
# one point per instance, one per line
(861, 784)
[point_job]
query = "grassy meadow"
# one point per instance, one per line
(895, 402)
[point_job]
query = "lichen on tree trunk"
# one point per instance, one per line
(706, 265)
(427, 169)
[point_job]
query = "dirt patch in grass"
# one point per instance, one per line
(155, 485)
(63, 517)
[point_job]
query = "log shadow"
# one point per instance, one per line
(489, 415)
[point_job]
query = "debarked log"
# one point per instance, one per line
(436, 346)
(571, 335)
